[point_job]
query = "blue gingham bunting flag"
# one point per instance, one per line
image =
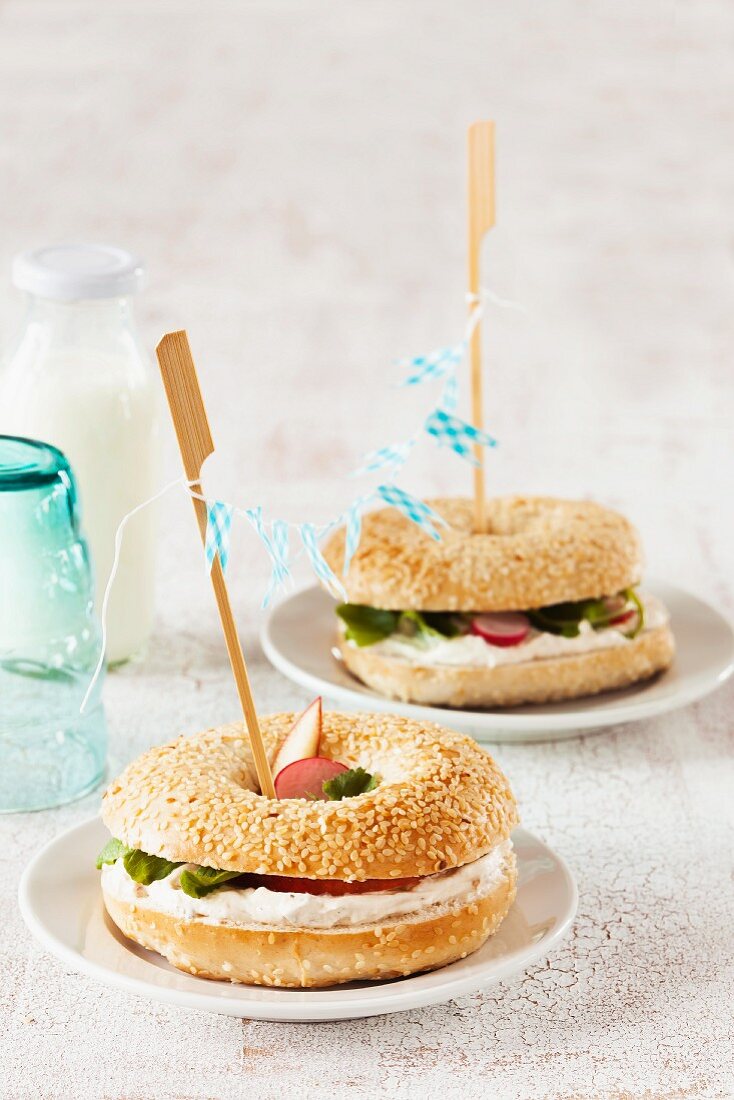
(352, 533)
(395, 456)
(323, 571)
(280, 572)
(434, 365)
(255, 516)
(415, 510)
(218, 527)
(276, 545)
(450, 431)
(450, 393)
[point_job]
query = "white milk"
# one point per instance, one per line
(78, 379)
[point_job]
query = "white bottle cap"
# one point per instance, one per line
(68, 272)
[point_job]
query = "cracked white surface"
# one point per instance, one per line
(294, 175)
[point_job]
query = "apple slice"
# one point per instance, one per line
(284, 884)
(306, 778)
(501, 628)
(303, 739)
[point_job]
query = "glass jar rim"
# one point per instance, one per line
(27, 463)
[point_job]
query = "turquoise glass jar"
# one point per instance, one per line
(50, 753)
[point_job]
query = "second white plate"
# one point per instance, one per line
(300, 634)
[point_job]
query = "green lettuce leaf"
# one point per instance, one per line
(367, 625)
(348, 784)
(145, 869)
(201, 881)
(111, 852)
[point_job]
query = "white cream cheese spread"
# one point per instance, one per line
(259, 906)
(471, 651)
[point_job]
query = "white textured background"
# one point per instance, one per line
(294, 174)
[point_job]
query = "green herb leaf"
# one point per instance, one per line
(565, 618)
(560, 618)
(635, 599)
(145, 869)
(348, 784)
(447, 623)
(201, 881)
(111, 852)
(439, 624)
(367, 625)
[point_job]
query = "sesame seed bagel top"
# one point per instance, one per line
(441, 802)
(536, 551)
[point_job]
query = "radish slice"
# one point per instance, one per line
(306, 778)
(501, 628)
(625, 617)
(615, 606)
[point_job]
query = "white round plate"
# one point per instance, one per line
(299, 638)
(61, 903)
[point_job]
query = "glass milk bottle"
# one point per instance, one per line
(78, 379)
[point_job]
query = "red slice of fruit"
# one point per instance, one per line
(284, 884)
(303, 739)
(501, 628)
(306, 778)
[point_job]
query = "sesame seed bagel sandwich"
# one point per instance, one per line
(386, 851)
(541, 606)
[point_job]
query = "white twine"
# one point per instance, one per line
(113, 572)
(494, 299)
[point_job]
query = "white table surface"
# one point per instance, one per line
(293, 173)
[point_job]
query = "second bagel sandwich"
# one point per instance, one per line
(541, 606)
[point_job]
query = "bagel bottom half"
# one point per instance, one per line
(538, 681)
(306, 958)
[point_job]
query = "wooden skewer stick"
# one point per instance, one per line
(195, 442)
(481, 219)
